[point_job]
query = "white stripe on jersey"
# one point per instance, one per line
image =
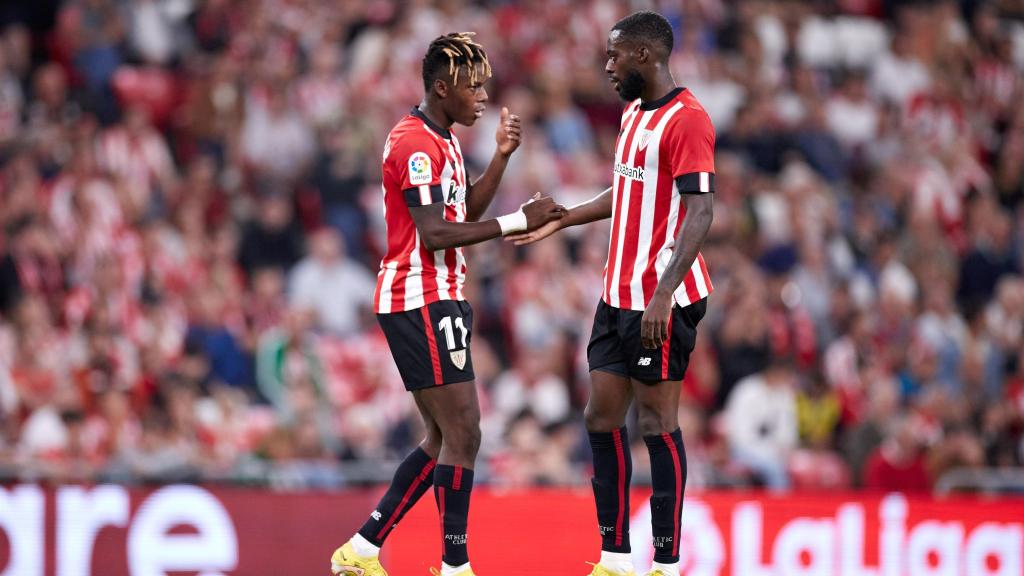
(698, 276)
(705, 182)
(389, 270)
(627, 187)
(424, 194)
(647, 206)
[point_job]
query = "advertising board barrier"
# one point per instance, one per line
(202, 531)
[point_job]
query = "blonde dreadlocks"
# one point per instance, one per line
(453, 51)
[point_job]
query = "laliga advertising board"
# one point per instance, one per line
(179, 530)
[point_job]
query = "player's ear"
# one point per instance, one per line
(642, 54)
(440, 88)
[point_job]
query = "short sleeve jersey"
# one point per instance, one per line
(665, 149)
(422, 165)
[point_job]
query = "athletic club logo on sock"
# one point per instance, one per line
(457, 539)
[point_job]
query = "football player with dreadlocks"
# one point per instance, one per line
(432, 210)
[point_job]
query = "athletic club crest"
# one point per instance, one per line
(645, 137)
(459, 358)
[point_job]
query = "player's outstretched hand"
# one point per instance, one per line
(510, 132)
(541, 210)
(654, 324)
(536, 235)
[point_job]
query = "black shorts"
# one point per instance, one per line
(615, 344)
(431, 344)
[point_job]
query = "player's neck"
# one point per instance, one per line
(436, 114)
(662, 84)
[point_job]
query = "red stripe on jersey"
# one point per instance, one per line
(435, 357)
(636, 200)
(620, 181)
(692, 293)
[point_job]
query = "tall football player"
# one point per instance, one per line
(432, 211)
(655, 286)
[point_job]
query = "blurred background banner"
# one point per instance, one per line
(183, 529)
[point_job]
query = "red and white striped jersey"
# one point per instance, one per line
(422, 165)
(665, 148)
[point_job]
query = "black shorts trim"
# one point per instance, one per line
(615, 345)
(431, 344)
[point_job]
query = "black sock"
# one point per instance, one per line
(452, 487)
(613, 468)
(668, 477)
(412, 479)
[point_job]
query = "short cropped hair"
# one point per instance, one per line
(649, 26)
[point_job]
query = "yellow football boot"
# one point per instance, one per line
(657, 572)
(345, 562)
(602, 571)
(466, 572)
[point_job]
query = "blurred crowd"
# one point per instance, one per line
(191, 222)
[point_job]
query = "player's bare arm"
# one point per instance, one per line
(597, 208)
(692, 232)
(440, 234)
(481, 192)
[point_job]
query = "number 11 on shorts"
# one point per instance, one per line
(445, 326)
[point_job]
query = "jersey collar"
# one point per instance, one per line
(444, 133)
(655, 104)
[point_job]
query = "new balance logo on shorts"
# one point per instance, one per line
(644, 361)
(375, 515)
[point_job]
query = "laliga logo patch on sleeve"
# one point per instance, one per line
(419, 169)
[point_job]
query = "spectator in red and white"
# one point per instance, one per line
(334, 287)
(138, 159)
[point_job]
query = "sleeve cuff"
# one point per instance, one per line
(696, 183)
(423, 195)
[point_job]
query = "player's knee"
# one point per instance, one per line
(599, 421)
(432, 444)
(465, 442)
(654, 420)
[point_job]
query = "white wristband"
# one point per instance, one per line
(512, 223)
